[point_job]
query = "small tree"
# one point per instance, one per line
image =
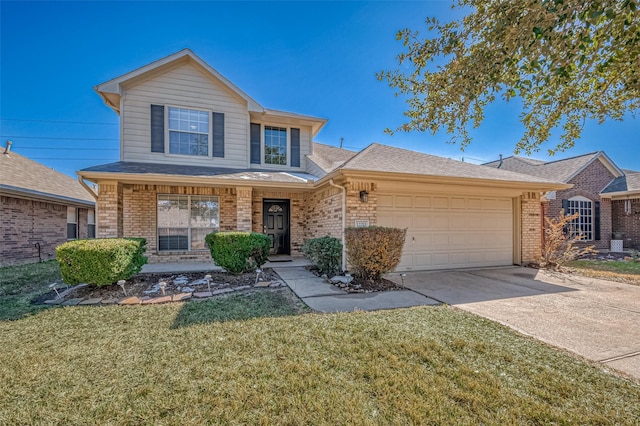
(560, 240)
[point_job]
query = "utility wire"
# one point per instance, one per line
(59, 121)
(58, 138)
(66, 149)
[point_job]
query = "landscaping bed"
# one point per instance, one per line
(357, 285)
(147, 286)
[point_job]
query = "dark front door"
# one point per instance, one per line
(276, 224)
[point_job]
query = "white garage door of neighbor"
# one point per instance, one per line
(450, 231)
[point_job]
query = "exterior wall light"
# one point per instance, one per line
(364, 196)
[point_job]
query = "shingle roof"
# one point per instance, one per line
(19, 174)
(559, 170)
(329, 158)
(627, 183)
(202, 171)
(383, 158)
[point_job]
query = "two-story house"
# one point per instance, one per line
(199, 155)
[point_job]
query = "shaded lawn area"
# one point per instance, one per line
(180, 364)
(20, 284)
(622, 271)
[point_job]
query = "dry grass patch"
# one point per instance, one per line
(20, 284)
(132, 365)
(620, 271)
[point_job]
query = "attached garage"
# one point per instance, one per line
(450, 231)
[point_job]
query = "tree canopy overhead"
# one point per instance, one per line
(567, 61)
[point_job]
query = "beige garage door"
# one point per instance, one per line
(450, 231)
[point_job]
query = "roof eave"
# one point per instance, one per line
(43, 196)
(186, 180)
(621, 194)
(452, 180)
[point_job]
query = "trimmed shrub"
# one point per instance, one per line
(101, 261)
(238, 252)
(325, 253)
(374, 250)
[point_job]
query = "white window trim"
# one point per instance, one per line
(76, 214)
(580, 198)
(189, 228)
(262, 145)
(167, 143)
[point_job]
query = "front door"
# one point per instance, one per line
(276, 225)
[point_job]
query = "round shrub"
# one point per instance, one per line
(238, 252)
(374, 250)
(325, 253)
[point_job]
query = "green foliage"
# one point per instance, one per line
(325, 253)
(238, 252)
(374, 250)
(101, 261)
(567, 61)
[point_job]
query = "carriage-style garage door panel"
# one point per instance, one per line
(450, 232)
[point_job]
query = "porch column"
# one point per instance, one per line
(531, 238)
(109, 206)
(243, 208)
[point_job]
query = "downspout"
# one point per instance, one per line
(344, 222)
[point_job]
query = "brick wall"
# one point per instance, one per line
(243, 209)
(628, 224)
(356, 209)
(27, 222)
(531, 226)
(110, 207)
(323, 213)
(589, 183)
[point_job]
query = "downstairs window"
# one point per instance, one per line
(184, 221)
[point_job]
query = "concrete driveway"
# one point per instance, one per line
(597, 319)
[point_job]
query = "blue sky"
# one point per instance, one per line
(315, 58)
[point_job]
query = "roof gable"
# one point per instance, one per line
(112, 90)
(27, 178)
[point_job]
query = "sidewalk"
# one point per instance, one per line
(321, 296)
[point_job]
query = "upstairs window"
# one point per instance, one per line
(583, 224)
(275, 145)
(188, 132)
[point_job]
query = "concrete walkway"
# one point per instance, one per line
(321, 296)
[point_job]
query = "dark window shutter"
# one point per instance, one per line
(218, 134)
(596, 219)
(157, 128)
(255, 143)
(295, 147)
(565, 206)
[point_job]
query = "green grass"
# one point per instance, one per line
(182, 364)
(623, 271)
(20, 284)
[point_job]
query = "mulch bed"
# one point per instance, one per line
(175, 284)
(359, 285)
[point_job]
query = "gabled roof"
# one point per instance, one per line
(384, 158)
(25, 178)
(628, 184)
(329, 158)
(559, 170)
(111, 91)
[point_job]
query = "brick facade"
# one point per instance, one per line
(27, 222)
(530, 228)
(323, 213)
(627, 223)
(358, 210)
(589, 183)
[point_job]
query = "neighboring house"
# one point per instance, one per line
(599, 194)
(199, 155)
(39, 209)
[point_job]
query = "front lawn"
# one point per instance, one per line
(622, 271)
(20, 284)
(183, 364)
